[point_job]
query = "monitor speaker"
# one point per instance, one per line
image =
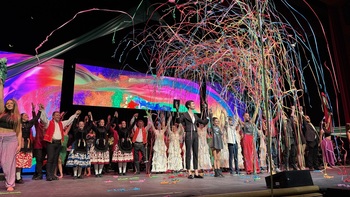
(288, 179)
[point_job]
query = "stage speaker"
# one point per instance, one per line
(285, 179)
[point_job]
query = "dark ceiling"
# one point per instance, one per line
(26, 24)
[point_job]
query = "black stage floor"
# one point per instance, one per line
(167, 184)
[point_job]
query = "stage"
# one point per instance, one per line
(168, 185)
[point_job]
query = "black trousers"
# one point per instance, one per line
(137, 148)
(53, 150)
(290, 155)
(191, 142)
(311, 159)
(233, 155)
(39, 155)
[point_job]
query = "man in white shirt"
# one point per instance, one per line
(232, 142)
(54, 137)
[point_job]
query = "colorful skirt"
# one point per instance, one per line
(120, 156)
(78, 159)
(99, 157)
(24, 160)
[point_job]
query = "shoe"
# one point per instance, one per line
(124, 174)
(100, 175)
(138, 172)
(19, 181)
(80, 177)
(190, 177)
(39, 177)
(75, 177)
(220, 173)
(48, 179)
(294, 167)
(10, 189)
(198, 176)
(34, 176)
(55, 178)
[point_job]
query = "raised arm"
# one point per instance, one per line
(150, 122)
(43, 117)
(71, 119)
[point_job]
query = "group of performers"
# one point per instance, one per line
(166, 142)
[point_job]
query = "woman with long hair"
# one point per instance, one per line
(25, 156)
(216, 144)
(10, 133)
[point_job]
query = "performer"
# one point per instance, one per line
(289, 141)
(39, 151)
(25, 156)
(63, 152)
(78, 157)
(175, 133)
(99, 154)
(328, 151)
(249, 151)
(300, 138)
(274, 140)
(10, 132)
(224, 155)
(204, 161)
(122, 147)
(217, 143)
(139, 139)
(90, 138)
(159, 159)
(232, 143)
(312, 142)
(54, 137)
(189, 121)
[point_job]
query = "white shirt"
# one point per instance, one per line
(231, 132)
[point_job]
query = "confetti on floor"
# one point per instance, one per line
(14, 192)
(123, 189)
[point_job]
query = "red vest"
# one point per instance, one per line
(51, 129)
(144, 135)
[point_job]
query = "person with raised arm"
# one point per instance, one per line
(249, 131)
(25, 156)
(139, 140)
(159, 159)
(217, 143)
(54, 137)
(231, 126)
(189, 120)
(122, 147)
(10, 132)
(99, 153)
(78, 157)
(175, 132)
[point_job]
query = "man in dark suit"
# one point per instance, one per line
(312, 141)
(189, 121)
